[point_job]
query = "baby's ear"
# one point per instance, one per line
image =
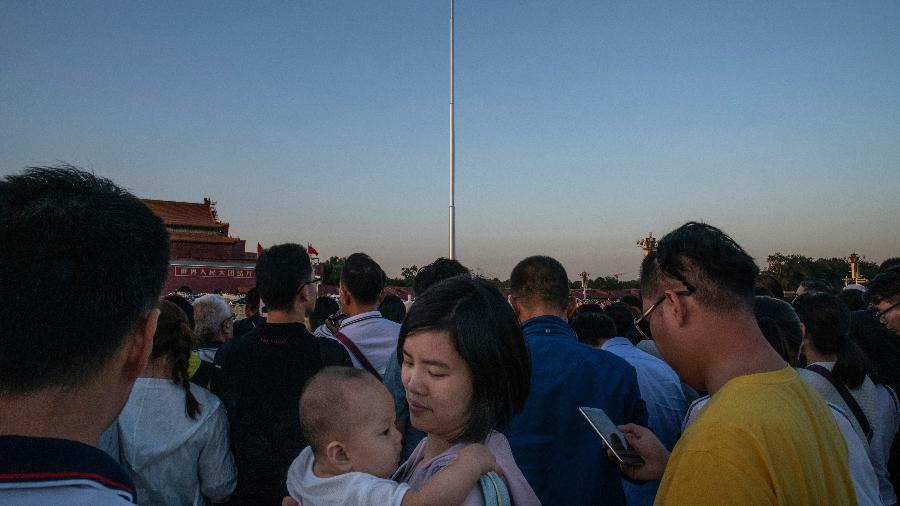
(337, 456)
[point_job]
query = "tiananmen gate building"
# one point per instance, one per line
(203, 256)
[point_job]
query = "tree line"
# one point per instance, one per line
(789, 270)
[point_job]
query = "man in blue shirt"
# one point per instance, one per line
(660, 386)
(556, 449)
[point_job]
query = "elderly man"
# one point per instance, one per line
(65, 374)
(765, 437)
(213, 325)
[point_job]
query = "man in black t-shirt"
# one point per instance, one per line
(264, 371)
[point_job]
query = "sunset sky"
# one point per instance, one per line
(580, 125)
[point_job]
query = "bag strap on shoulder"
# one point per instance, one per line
(352, 348)
(848, 399)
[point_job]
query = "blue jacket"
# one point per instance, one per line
(558, 452)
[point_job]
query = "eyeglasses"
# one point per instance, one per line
(637, 322)
(315, 279)
(881, 314)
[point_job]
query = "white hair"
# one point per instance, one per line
(209, 313)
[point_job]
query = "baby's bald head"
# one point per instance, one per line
(332, 403)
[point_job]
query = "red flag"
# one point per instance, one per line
(259, 249)
(312, 251)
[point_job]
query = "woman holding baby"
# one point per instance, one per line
(466, 372)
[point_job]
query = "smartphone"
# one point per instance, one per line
(610, 435)
(336, 318)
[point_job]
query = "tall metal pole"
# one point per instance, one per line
(452, 148)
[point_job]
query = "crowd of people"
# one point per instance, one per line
(725, 390)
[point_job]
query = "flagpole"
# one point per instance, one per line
(452, 148)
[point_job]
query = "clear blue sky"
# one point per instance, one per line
(581, 125)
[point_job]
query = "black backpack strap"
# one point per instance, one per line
(848, 399)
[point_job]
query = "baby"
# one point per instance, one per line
(347, 417)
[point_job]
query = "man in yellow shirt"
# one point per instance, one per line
(764, 437)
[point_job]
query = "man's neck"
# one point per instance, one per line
(527, 313)
(77, 415)
(736, 347)
(354, 309)
(295, 316)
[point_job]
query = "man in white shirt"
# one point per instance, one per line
(369, 338)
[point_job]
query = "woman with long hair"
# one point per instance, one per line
(173, 434)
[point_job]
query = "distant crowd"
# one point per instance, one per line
(710, 387)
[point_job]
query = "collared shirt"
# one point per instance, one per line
(374, 335)
(553, 445)
(39, 471)
(666, 405)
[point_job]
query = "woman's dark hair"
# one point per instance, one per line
(393, 308)
(485, 332)
(173, 340)
(767, 285)
(855, 299)
(593, 328)
(325, 307)
(827, 322)
(623, 317)
(781, 326)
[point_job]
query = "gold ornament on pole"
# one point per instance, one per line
(855, 276)
(648, 243)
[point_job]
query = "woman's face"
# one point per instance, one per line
(438, 384)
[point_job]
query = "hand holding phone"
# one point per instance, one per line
(618, 446)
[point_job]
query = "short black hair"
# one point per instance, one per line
(593, 328)
(280, 272)
(251, 299)
(815, 285)
(767, 285)
(363, 278)
(184, 305)
(855, 299)
(540, 279)
(393, 308)
(589, 308)
(885, 286)
(632, 300)
(184, 289)
(827, 321)
(889, 264)
(487, 335)
(624, 320)
(81, 262)
(325, 307)
(439, 270)
(780, 325)
(706, 258)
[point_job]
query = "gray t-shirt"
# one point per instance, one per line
(346, 489)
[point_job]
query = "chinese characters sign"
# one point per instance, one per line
(214, 272)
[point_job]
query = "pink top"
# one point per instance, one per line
(418, 472)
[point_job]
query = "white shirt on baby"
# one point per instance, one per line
(345, 489)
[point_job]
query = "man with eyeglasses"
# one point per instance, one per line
(884, 295)
(263, 373)
(765, 437)
(881, 341)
